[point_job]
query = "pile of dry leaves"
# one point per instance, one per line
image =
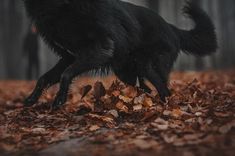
(114, 118)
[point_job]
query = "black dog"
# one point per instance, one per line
(133, 41)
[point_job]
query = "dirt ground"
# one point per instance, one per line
(104, 117)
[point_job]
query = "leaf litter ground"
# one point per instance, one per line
(105, 117)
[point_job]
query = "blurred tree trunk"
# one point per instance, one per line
(227, 46)
(11, 36)
(154, 4)
(2, 54)
(13, 28)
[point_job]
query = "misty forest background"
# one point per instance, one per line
(14, 25)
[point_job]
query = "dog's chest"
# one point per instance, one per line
(69, 34)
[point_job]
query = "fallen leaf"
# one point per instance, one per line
(125, 99)
(94, 128)
(39, 130)
(160, 124)
(140, 99)
(148, 102)
(130, 92)
(99, 90)
(142, 144)
(114, 113)
(169, 138)
(227, 127)
(137, 107)
(198, 114)
(122, 107)
(177, 113)
(85, 90)
(167, 112)
(116, 93)
(148, 115)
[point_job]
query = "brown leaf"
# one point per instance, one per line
(137, 108)
(160, 124)
(148, 102)
(228, 127)
(85, 90)
(169, 138)
(142, 144)
(94, 128)
(122, 107)
(39, 130)
(84, 109)
(167, 112)
(102, 118)
(125, 99)
(149, 115)
(99, 90)
(130, 92)
(177, 113)
(114, 113)
(116, 93)
(140, 99)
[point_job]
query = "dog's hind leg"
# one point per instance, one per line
(158, 82)
(144, 86)
(126, 73)
(128, 79)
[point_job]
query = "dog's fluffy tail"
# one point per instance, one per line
(201, 40)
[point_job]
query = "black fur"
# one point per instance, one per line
(133, 41)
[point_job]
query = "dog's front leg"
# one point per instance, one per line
(50, 78)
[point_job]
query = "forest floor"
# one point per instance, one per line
(113, 119)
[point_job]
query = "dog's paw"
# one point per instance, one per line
(30, 101)
(58, 102)
(164, 94)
